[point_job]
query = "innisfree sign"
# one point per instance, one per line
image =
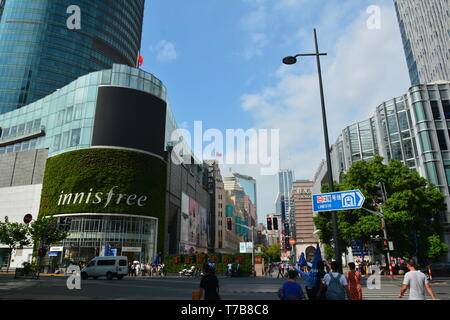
(335, 201)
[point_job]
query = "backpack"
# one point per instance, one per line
(335, 291)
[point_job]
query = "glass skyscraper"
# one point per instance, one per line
(413, 128)
(39, 54)
(425, 30)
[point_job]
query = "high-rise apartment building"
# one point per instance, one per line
(40, 54)
(425, 30)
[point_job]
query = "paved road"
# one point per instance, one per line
(50, 288)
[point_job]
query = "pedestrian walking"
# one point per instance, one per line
(280, 271)
(416, 282)
(130, 269)
(229, 269)
(291, 290)
(209, 284)
(354, 283)
(335, 283)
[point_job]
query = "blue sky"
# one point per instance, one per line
(221, 63)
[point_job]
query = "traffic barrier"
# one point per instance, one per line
(390, 271)
(429, 273)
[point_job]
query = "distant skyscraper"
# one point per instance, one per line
(425, 29)
(285, 180)
(39, 54)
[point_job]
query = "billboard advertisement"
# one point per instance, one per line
(194, 229)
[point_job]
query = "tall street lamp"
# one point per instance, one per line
(292, 60)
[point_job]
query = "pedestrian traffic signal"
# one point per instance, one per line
(269, 224)
(275, 224)
(385, 245)
(229, 225)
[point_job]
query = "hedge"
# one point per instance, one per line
(132, 173)
(199, 260)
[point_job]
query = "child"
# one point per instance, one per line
(291, 290)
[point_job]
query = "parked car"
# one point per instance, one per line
(108, 267)
(438, 269)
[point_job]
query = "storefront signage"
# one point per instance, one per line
(56, 249)
(131, 249)
(101, 198)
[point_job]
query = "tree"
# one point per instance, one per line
(436, 247)
(273, 252)
(412, 211)
(14, 235)
(45, 233)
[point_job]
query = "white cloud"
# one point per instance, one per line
(165, 51)
(364, 68)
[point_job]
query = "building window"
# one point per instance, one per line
(442, 140)
(76, 137)
(420, 113)
(446, 108)
(435, 110)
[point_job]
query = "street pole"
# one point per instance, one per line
(327, 151)
(292, 60)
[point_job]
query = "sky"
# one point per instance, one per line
(221, 61)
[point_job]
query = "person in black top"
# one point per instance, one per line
(209, 284)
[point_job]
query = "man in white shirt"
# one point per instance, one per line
(417, 282)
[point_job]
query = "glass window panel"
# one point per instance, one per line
(433, 94)
(21, 129)
(69, 113)
(56, 142)
(444, 94)
(425, 141)
(419, 111)
(431, 173)
(392, 122)
(13, 131)
(76, 137)
(435, 110)
(2, 150)
(17, 147)
(408, 147)
(403, 121)
(29, 127)
(442, 139)
(397, 151)
(78, 112)
(5, 132)
(33, 144)
(446, 108)
(65, 140)
(37, 125)
(25, 145)
(10, 149)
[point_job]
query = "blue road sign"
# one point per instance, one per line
(344, 200)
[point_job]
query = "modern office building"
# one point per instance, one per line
(413, 128)
(285, 180)
(305, 238)
(425, 30)
(109, 176)
(40, 54)
(244, 214)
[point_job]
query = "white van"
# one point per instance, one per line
(108, 267)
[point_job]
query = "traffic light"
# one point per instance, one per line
(381, 193)
(275, 223)
(42, 252)
(269, 224)
(287, 245)
(385, 245)
(286, 228)
(229, 226)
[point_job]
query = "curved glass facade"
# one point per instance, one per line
(39, 54)
(134, 237)
(64, 120)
